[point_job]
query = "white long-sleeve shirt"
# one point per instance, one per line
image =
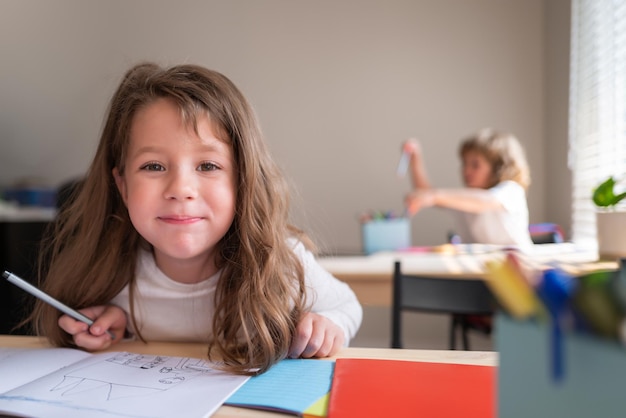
(503, 227)
(167, 310)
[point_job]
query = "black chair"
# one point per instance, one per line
(455, 297)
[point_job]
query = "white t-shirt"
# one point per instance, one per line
(167, 310)
(502, 227)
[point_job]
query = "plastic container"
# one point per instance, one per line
(386, 235)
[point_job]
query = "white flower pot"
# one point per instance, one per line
(611, 234)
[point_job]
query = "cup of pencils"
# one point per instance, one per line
(384, 231)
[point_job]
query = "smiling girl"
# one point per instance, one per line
(179, 232)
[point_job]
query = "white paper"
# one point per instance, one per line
(112, 385)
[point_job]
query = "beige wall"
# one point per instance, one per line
(558, 179)
(338, 85)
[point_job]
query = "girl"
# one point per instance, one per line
(492, 208)
(179, 233)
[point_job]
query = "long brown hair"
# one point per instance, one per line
(92, 255)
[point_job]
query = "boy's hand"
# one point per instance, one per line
(106, 318)
(316, 336)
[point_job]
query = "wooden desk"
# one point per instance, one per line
(371, 276)
(199, 350)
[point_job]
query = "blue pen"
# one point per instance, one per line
(24, 285)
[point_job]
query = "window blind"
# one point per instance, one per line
(597, 113)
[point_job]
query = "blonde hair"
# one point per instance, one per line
(92, 256)
(504, 153)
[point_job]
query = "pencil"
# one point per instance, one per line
(24, 285)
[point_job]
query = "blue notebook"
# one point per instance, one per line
(294, 386)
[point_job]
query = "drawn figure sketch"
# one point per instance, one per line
(125, 385)
(111, 379)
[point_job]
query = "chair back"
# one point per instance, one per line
(437, 295)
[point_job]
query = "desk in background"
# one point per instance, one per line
(200, 351)
(370, 276)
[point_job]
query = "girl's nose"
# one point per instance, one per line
(180, 186)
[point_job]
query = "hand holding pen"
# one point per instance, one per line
(87, 333)
(409, 148)
(109, 319)
(411, 160)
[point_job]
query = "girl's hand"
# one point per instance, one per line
(412, 147)
(419, 199)
(417, 168)
(316, 336)
(106, 318)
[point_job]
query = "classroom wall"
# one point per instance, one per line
(338, 85)
(558, 178)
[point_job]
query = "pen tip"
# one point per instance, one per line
(6, 274)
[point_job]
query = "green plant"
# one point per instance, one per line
(604, 195)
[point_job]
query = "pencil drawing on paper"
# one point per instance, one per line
(126, 375)
(66, 383)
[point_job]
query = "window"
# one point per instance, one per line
(597, 124)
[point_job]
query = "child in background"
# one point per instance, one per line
(492, 208)
(179, 232)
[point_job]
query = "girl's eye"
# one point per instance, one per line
(207, 167)
(153, 167)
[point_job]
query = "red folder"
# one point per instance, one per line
(394, 388)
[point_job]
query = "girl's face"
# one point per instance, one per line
(477, 171)
(179, 188)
